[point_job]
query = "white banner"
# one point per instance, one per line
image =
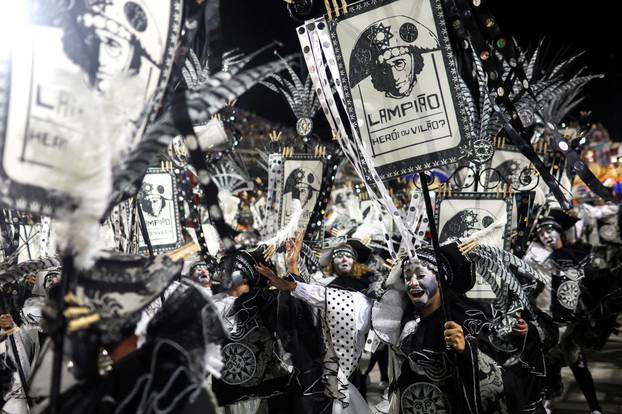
(78, 81)
(304, 174)
(157, 199)
(460, 215)
(402, 94)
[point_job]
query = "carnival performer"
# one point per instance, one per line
(23, 333)
(409, 317)
(566, 264)
(167, 372)
(270, 358)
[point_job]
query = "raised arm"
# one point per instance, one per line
(314, 295)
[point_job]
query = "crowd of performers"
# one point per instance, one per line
(252, 313)
(294, 331)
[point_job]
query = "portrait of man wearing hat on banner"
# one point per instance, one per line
(404, 95)
(390, 52)
(302, 181)
(112, 39)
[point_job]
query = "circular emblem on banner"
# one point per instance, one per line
(568, 294)
(136, 16)
(239, 363)
(482, 150)
(424, 398)
(408, 32)
(304, 126)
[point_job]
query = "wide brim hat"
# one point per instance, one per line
(458, 270)
(108, 297)
(20, 270)
(384, 36)
(361, 251)
(558, 219)
(119, 284)
(138, 18)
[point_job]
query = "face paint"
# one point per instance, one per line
(421, 283)
(342, 263)
(51, 279)
(549, 237)
(202, 277)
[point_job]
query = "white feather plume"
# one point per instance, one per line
(290, 228)
(488, 236)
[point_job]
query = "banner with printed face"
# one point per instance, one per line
(400, 82)
(509, 166)
(157, 199)
(462, 214)
(303, 174)
(79, 81)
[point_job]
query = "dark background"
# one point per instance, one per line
(590, 26)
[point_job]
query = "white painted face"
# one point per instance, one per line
(549, 236)
(421, 283)
(202, 277)
(51, 279)
(342, 263)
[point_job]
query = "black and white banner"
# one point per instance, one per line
(156, 198)
(303, 174)
(462, 214)
(402, 90)
(78, 83)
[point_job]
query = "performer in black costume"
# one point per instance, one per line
(566, 263)
(409, 317)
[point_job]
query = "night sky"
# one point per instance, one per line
(590, 26)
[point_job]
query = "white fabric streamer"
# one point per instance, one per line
(318, 45)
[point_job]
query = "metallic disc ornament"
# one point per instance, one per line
(483, 151)
(568, 294)
(178, 152)
(526, 116)
(424, 398)
(300, 10)
(240, 363)
(304, 126)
